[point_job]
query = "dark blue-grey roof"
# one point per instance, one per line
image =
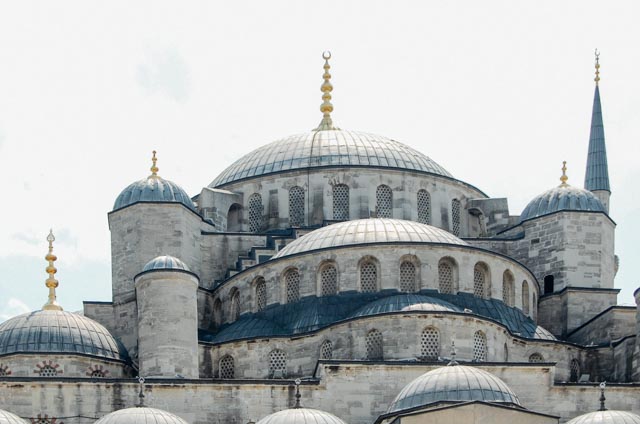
(607, 417)
(142, 415)
(301, 416)
(405, 302)
(165, 262)
(597, 175)
(153, 189)
(58, 332)
(328, 148)
(457, 383)
(563, 197)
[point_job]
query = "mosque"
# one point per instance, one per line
(337, 276)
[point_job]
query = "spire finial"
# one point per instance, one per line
(326, 107)
(298, 395)
(564, 177)
(51, 282)
(597, 78)
(603, 385)
(154, 167)
(453, 361)
(140, 392)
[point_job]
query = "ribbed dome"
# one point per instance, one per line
(563, 197)
(456, 383)
(301, 416)
(153, 189)
(7, 417)
(328, 148)
(405, 302)
(141, 416)
(165, 262)
(58, 332)
(365, 231)
(607, 417)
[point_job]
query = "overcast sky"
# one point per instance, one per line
(497, 92)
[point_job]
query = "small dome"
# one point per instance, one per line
(457, 383)
(153, 189)
(607, 417)
(7, 417)
(368, 231)
(405, 302)
(561, 198)
(165, 262)
(141, 415)
(331, 148)
(301, 415)
(55, 331)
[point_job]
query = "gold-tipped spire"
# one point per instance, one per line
(564, 177)
(326, 107)
(51, 282)
(597, 78)
(154, 167)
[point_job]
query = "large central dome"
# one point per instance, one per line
(328, 148)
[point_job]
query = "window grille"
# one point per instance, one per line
(277, 364)
(292, 283)
(47, 370)
(255, 213)
(445, 277)
(525, 297)
(368, 277)
(479, 281)
(536, 357)
(574, 367)
(328, 280)
(326, 350)
(507, 288)
(455, 217)
(296, 206)
(424, 207)
(479, 346)
(374, 345)
(430, 343)
(235, 305)
(4, 370)
(407, 277)
(384, 201)
(97, 371)
(227, 367)
(261, 294)
(340, 202)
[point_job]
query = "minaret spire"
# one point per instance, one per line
(597, 176)
(326, 107)
(51, 282)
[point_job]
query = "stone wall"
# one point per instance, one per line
(612, 324)
(65, 365)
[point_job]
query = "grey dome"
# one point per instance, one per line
(563, 197)
(456, 383)
(153, 189)
(607, 417)
(332, 148)
(7, 417)
(405, 302)
(141, 415)
(301, 415)
(58, 332)
(365, 231)
(165, 262)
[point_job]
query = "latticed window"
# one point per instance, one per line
(525, 297)
(455, 217)
(340, 202)
(326, 350)
(430, 343)
(506, 353)
(508, 295)
(479, 346)
(384, 201)
(4, 370)
(479, 280)
(374, 345)
(368, 277)
(47, 370)
(574, 368)
(445, 277)
(328, 280)
(226, 367)
(255, 213)
(292, 285)
(296, 206)
(261, 294)
(96, 371)
(424, 207)
(277, 364)
(536, 357)
(235, 305)
(407, 277)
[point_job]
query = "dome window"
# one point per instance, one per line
(481, 281)
(261, 294)
(255, 213)
(374, 345)
(535, 358)
(226, 367)
(479, 346)
(326, 350)
(384, 201)
(574, 369)
(455, 217)
(47, 369)
(277, 364)
(407, 277)
(328, 280)
(292, 285)
(4, 370)
(368, 277)
(446, 276)
(296, 206)
(430, 344)
(235, 305)
(424, 207)
(341, 202)
(508, 291)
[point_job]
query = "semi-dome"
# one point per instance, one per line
(301, 415)
(328, 148)
(56, 331)
(153, 189)
(563, 197)
(366, 231)
(165, 262)
(607, 417)
(7, 417)
(403, 303)
(141, 415)
(456, 383)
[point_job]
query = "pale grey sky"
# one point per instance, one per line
(498, 92)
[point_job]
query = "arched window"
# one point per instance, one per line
(455, 217)
(234, 216)
(479, 346)
(261, 294)
(296, 206)
(226, 367)
(407, 277)
(446, 277)
(235, 305)
(430, 344)
(277, 364)
(328, 280)
(47, 369)
(255, 213)
(368, 277)
(506, 353)
(292, 285)
(536, 357)
(374, 345)
(508, 292)
(384, 201)
(548, 284)
(481, 281)
(340, 202)
(326, 350)
(217, 312)
(424, 207)
(525, 297)
(574, 368)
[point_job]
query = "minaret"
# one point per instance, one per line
(596, 178)
(326, 107)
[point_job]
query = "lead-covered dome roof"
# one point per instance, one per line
(53, 331)
(301, 415)
(563, 197)
(367, 231)
(153, 189)
(405, 303)
(457, 383)
(141, 415)
(607, 417)
(7, 417)
(165, 262)
(328, 148)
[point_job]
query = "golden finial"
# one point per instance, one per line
(597, 78)
(326, 107)
(154, 167)
(564, 177)
(51, 282)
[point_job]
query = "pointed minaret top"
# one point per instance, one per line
(326, 107)
(154, 168)
(597, 78)
(51, 282)
(564, 178)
